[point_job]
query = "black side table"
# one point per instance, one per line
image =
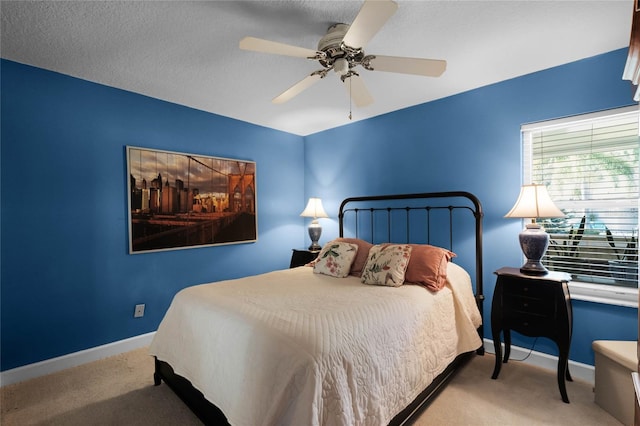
(533, 305)
(302, 257)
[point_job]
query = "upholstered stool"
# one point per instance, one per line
(615, 360)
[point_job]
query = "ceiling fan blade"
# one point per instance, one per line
(417, 66)
(358, 91)
(267, 46)
(372, 16)
(297, 88)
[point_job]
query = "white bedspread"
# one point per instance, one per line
(296, 348)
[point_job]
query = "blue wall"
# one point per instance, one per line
(68, 282)
(471, 142)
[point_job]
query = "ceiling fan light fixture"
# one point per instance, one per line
(341, 49)
(341, 66)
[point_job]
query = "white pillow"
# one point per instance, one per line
(386, 264)
(335, 259)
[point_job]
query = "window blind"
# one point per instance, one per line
(590, 166)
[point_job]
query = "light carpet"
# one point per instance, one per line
(119, 391)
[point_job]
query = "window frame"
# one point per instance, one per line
(591, 292)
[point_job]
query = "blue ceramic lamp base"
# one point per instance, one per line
(534, 242)
(315, 230)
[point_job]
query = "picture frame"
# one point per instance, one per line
(178, 200)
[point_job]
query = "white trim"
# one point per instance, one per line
(636, 385)
(53, 365)
(575, 119)
(578, 370)
(607, 294)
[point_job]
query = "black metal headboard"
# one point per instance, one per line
(413, 218)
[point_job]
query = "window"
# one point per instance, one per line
(590, 166)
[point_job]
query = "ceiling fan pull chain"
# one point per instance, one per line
(350, 99)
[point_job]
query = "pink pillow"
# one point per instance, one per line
(428, 266)
(361, 257)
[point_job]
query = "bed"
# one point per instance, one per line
(346, 341)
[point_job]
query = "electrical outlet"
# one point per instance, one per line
(139, 311)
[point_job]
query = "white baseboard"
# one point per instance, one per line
(53, 365)
(578, 370)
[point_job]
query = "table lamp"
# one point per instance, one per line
(534, 202)
(315, 210)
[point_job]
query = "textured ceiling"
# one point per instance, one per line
(187, 52)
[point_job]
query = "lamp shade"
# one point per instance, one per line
(534, 202)
(314, 209)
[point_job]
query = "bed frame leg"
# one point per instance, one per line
(157, 379)
(480, 303)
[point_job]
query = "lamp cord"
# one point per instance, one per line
(527, 356)
(530, 351)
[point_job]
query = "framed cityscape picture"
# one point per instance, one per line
(178, 200)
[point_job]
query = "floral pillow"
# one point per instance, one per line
(386, 264)
(335, 259)
(361, 257)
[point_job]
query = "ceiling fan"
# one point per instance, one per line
(342, 50)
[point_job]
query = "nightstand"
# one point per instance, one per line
(302, 257)
(533, 305)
